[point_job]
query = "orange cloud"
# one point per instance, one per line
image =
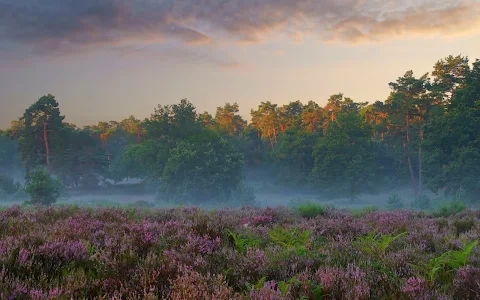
(454, 20)
(59, 26)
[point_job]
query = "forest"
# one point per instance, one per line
(424, 136)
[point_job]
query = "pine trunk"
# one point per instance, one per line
(47, 147)
(420, 171)
(409, 160)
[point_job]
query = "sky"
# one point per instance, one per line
(106, 60)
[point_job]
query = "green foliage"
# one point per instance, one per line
(449, 208)
(204, 168)
(421, 202)
(40, 119)
(145, 160)
(310, 210)
(290, 238)
(258, 285)
(42, 187)
(394, 202)
(442, 268)
(242, 241)
(346, 159)
(377, 242)
(452, 139)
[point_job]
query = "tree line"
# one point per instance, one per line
(425, 134)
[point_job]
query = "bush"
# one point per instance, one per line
(421, 202)
(463, 225)
(394, 202)
(310, 210)
(449, 208)
(42, 188)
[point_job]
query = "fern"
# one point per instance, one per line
(290, 238)
(90, 247)
(260, 284)
(457, 259)
(242, 243)
(442, 268)
(378, 241)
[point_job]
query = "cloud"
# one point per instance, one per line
(453, 20)
(64, 26)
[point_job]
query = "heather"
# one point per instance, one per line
(243, 253)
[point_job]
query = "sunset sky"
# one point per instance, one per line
(105, 60)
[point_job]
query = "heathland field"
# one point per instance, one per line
(307, 252)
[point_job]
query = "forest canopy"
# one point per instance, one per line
(424, 135)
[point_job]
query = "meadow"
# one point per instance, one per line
(306, 252)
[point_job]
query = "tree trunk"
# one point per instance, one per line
(47, 147)
(420, 180)
(138, 136)
(410, 167)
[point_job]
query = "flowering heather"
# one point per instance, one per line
(270, 253)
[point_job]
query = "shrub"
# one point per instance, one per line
(463, 225)
(421, 202)
(310, 210)
(42, 188)
(449, 208)
(394, 202)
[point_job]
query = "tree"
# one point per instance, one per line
(265, 119)
(133, 127)
(346, 159)
(290, 116)
(202, 168)
(42, 187)
(207, 120)
(449, 74)
(42, 121)
(409, 106)
(293, 156)
(313, 117)
(84, 162)
(145, 161)
(177, 121)
(376, 116)
(452, 141)
(228, 121)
